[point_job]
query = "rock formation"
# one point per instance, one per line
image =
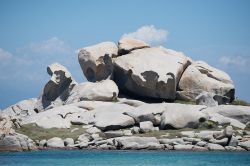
(109, 111)
(57, 89)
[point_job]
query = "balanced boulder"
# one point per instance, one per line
(96, 61)
(200, 77)
(126, 45)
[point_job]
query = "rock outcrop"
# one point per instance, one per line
(57, 89)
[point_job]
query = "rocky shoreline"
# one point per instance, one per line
(115, 110)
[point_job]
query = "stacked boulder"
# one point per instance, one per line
(154, 72)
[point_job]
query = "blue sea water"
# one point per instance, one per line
(124, 158)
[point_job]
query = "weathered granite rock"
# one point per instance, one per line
(93, 130)
(180, 116)
(206, 135)
(17, 142)
(199, 148)
(95, 137)
(127, 132)
(233, 141)
(213, 147)
(147, 112)
(84, 138)
(187, 133)
(56, 91)
(222, 120)
(126, 45)
(201, 143)
(5, 126)
(200, 77)
(105, 90)
(150, 72)
(193, 141)
(134, 103)
(96, 61)
(114, 133)
(245, 145)
(240, 113)
(68, 141)
(21, 109)
(183, 147)
(206, 99)
(43, 143)
(59, 117)
(230, 148)
(55, 142)
(173, 141)
(135, 143)
(112, 117)
(135, 130)
(222, 142)
(146, 126)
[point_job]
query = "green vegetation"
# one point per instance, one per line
(176, 133)
(240, 102)
(37, 133)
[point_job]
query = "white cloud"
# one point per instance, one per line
(149, 34)
(50, 46)
(239, 63)
(4, 55)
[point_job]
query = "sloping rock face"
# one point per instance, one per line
(126, 45)
(180, 116)
(5, 125)
(96, 61)
(10, 140)
(57, 89)
(59, 117)
(105, 90)
(150, 72)
(240, 113)
(200, 77)
(136, 143)
(112, 117)
(16, 142)
(21, 109)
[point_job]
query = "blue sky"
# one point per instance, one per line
(34, 34)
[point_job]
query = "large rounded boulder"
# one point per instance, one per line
(96, 61)
(200, 77)
(150, 72)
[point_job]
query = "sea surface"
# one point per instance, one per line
(124, 158)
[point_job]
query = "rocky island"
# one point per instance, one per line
(137, 97)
